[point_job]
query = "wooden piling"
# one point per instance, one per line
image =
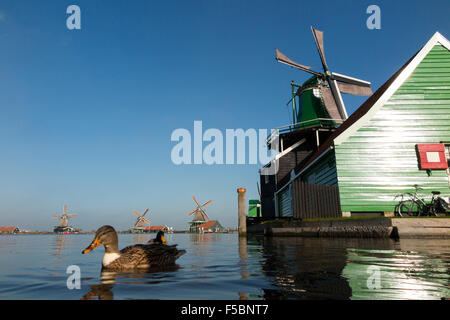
(242, 214)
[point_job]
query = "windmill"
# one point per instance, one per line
(330, 85)
(200, 214)
(139, 226)
(63, 225)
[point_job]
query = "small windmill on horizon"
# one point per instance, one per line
(199, 213)
(141, 222)
(63, 226)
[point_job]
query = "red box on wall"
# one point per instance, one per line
(432, 156)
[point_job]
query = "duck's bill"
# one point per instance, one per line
(163, 240)
(94, 244)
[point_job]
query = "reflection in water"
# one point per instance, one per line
(403, 273)
(7, 240)
(104, 291)
(304, 271)
(202, 244)
(243, 264)
(101, 291)
(224, 266)
(203, 237)
(306, 268)
(59, 245)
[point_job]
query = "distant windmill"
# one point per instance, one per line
(141, 221)
(333, 83)
(200, 214)
(64, 221)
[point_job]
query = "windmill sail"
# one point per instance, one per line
(352, 86)
(280, 57)
(318, 38)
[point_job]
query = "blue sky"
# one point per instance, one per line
(86, 115)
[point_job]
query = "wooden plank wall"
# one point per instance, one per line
(315, 200)
(379, 161)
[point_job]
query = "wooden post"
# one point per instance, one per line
(242, 215)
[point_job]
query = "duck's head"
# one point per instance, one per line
(106, 236)
(160, 237)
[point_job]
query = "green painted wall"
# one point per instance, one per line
(253, 208)
(323, 172)
(379, 161)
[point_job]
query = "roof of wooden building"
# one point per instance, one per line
(155, 228)
(208, 224)
(8, 229)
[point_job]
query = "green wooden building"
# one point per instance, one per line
(398, 138)
(254, 208)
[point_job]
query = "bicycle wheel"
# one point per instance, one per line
(409, 208)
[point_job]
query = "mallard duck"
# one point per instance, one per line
(139, 256)
(160, 239)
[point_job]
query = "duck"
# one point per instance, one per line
(160, 239)
(139, 256)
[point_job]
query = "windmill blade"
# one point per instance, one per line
(191, 212)
(280, 57)
(56, 216)
(352, 85)
(72, 215)
(337, 98)
(207, 203)
(145, 212)
(195, 199)
(318, 38)
(204, 215)
(259, 190)
(136, 213)
(146, 220)
(343, 78)
(355, 90)
(65, 209)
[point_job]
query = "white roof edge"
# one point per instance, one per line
(442, 40)
(437, 38)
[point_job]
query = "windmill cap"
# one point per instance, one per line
(241, 190)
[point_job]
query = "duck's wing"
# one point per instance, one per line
(146, 256)
(161, 254)
(130, 257)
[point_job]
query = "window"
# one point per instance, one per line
(432, 156)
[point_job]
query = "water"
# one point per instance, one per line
(219, 266)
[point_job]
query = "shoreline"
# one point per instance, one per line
(378, 227)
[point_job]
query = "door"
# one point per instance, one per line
(285, 202)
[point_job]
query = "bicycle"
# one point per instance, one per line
(415, 206)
